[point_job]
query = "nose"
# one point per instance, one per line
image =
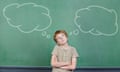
(60, 37)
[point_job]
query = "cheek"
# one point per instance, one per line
(65, 39)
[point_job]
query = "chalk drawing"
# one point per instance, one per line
(94, 31)
(13, 12)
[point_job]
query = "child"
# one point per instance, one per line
(64, 57)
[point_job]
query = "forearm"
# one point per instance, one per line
(69, 67)
(60, 64)
(72, 66)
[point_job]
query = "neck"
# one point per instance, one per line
(64, 45)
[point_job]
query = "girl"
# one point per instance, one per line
(64, 56)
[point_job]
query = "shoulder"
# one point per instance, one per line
(73, 48)
(74, 52)
(56, 47)
(55, 50)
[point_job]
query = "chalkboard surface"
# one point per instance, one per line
(27, 28)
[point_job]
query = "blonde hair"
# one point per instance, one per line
(58, 32)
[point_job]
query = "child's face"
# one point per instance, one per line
(61, 38)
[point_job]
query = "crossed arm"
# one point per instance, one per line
(63, 65)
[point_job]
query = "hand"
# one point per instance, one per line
(67, 63)
(64, 67)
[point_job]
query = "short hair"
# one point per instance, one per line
(58, 32)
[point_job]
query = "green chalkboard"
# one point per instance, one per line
(27, 28)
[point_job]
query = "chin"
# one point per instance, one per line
(63, 43)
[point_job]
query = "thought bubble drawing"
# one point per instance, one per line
(74, 32)
(45, 34)
(97, 20)
(27, 17)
